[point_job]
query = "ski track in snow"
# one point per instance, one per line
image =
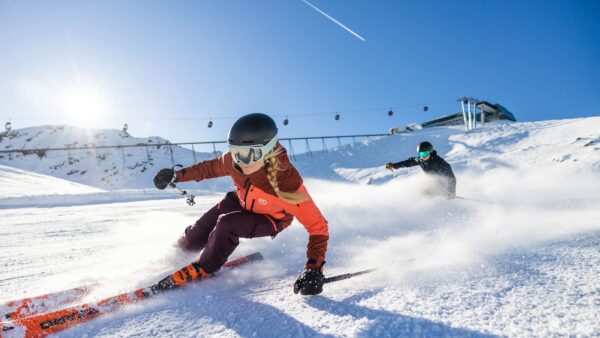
(525, 265)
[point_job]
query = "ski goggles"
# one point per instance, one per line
(423, 154)
(251, 154)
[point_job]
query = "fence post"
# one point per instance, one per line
(292, 150)
(324, 144)
(214, 150)
(194, 154)
(123, 153)
(171, 152)
(308, 151)
(339, 143)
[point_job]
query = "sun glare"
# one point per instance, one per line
(85, 106)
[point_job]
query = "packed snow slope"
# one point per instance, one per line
(25, 189)
(19, 183)
(522, 259)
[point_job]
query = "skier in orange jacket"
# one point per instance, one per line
(269, 193)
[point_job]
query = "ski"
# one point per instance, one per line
(44, 324)
(26, 307)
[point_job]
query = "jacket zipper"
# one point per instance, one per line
(247, 186)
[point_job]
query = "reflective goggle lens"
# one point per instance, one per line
(251, 153)
(424, 153)
(246, 155)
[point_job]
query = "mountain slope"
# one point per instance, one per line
(124, 168)
(571, 143)
(568, 143)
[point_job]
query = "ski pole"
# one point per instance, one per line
(189, 197)
(347, 275)
(327, 280)
(473, 199)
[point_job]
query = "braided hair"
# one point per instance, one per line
(272, 169)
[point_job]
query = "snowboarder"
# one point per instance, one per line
(268, 194)
(431, 164)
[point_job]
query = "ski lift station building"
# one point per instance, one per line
(483, 112)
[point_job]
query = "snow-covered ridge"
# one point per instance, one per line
(566, 144)
(573, 144)
(103, 168)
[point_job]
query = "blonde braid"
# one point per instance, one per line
(272, 169)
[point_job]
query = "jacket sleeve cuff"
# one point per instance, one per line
(180, 176)
(315, 263)
(317, 248)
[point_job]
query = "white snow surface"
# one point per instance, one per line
(25, 189)
(21, 183)
(519, 258)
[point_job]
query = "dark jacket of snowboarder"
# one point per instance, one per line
(436, 166)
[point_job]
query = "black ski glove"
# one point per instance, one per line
(163, 177)
(310, 282)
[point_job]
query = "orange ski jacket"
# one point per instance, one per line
(257, 195)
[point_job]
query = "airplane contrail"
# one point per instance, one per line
(334, 20)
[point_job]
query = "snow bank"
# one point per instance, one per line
(19, 183)
(75, 199)
(25, 189)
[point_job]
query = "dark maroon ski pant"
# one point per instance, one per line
(218, 231)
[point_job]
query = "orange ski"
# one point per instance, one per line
(42, 325)
(26, 307)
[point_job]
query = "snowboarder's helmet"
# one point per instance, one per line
(252, 137)
(424, 149)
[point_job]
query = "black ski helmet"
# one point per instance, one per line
(424, 146)
(252, 129)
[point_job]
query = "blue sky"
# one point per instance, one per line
(166, 67)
